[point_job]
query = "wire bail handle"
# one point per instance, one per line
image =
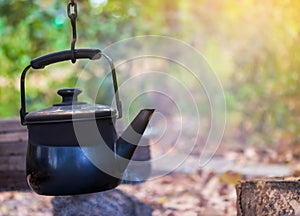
(65, 55)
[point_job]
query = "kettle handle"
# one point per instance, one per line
(43, 61)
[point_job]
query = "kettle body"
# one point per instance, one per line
(57, 165)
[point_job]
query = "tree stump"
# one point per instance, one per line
(113, 202)
(268, 196)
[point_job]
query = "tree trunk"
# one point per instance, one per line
(268, 196)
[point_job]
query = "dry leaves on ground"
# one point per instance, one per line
(199, 193)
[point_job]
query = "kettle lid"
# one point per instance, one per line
(70, 109)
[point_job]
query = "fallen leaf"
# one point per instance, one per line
(230, 177)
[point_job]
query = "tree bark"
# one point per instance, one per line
(268, 196)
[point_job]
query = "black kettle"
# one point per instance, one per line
(73, 146)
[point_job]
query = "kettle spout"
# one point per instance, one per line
(128, 141)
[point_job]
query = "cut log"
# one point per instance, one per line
(11, 125)
(113, 202)
(13, 145)
(13, 181)
(268, 196)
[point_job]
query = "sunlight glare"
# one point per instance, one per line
(97, 3)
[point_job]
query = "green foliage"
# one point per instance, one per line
(254, 47)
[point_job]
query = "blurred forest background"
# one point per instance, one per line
(252, 45)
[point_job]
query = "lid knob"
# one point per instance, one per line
(69, 96)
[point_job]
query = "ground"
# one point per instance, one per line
(200, 192)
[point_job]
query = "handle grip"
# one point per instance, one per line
(43, 61)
